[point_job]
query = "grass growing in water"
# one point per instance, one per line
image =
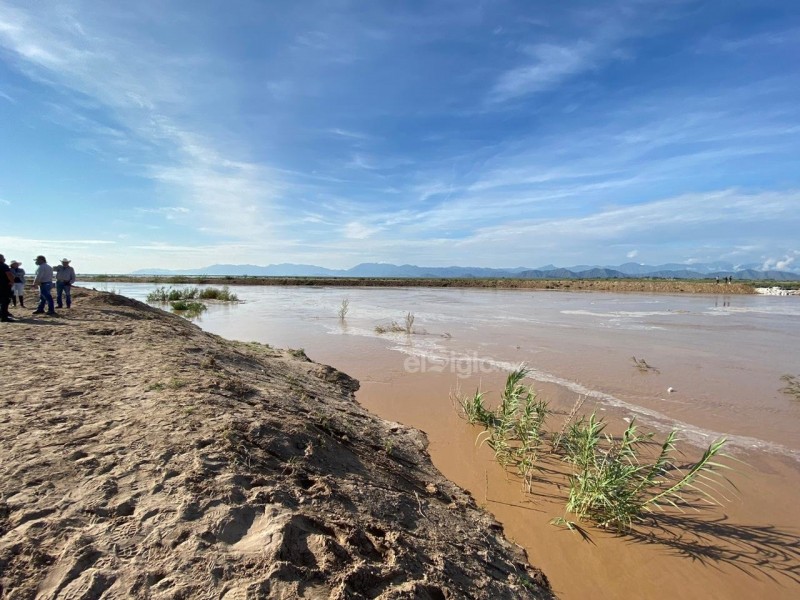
(188, 309)
(613, 483)
(164, 295)
(613, 486)
(514, 430)
(222, 294)
(395, 327)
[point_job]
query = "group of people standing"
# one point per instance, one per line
(12, 286)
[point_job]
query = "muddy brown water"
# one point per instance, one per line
(722, 356)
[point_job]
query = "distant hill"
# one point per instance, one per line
(665, 271)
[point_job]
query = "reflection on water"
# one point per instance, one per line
(724, 355)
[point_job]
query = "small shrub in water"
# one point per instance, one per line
(164, 295)
(345, 306)
(223, 294)
(188, 309)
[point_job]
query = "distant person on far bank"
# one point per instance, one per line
(44, 281)
(18, 289)
(6, 281)
(65, 277)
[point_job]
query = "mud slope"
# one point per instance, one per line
(141, 457)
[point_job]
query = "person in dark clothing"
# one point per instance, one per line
(6, 281)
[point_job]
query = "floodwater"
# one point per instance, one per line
(716, 367)
(723, 356)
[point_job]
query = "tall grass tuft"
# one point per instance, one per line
(164, 295)
(613, 486)
(474, 410)
(188, 309)
(222, 294)
(515, 429)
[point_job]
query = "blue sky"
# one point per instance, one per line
(178, 134)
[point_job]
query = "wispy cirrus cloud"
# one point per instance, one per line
(334, 133)
(142, 90)
(548, 65)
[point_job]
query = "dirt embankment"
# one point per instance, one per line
(650, 286)
(142, 457)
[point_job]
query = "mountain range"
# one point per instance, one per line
(627, 270)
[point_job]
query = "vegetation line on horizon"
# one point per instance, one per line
(656, 285)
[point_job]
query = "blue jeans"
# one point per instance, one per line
(63, 287)
(46, 296)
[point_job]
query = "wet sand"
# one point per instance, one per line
(722, 355)
(747, 548)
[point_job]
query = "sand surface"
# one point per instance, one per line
(747, 548)
(142, 457)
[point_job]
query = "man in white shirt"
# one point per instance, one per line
(44, 281)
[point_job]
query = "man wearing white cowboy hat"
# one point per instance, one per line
(65, 277)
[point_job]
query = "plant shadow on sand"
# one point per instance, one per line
(714, 540)
(697, 534)
(701, 534)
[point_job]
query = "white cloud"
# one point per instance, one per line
(632, 254)
(74, 52)
(355, 135)
(780, 264)
(551, 65)
(168, 211)
(358, 231)
(676, 227)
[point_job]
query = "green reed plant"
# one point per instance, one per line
(164, 295)
(515, 429)
(474, 410)
(613, 486)
(188, 309)
(222, 294)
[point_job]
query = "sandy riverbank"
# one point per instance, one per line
(143, 457)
